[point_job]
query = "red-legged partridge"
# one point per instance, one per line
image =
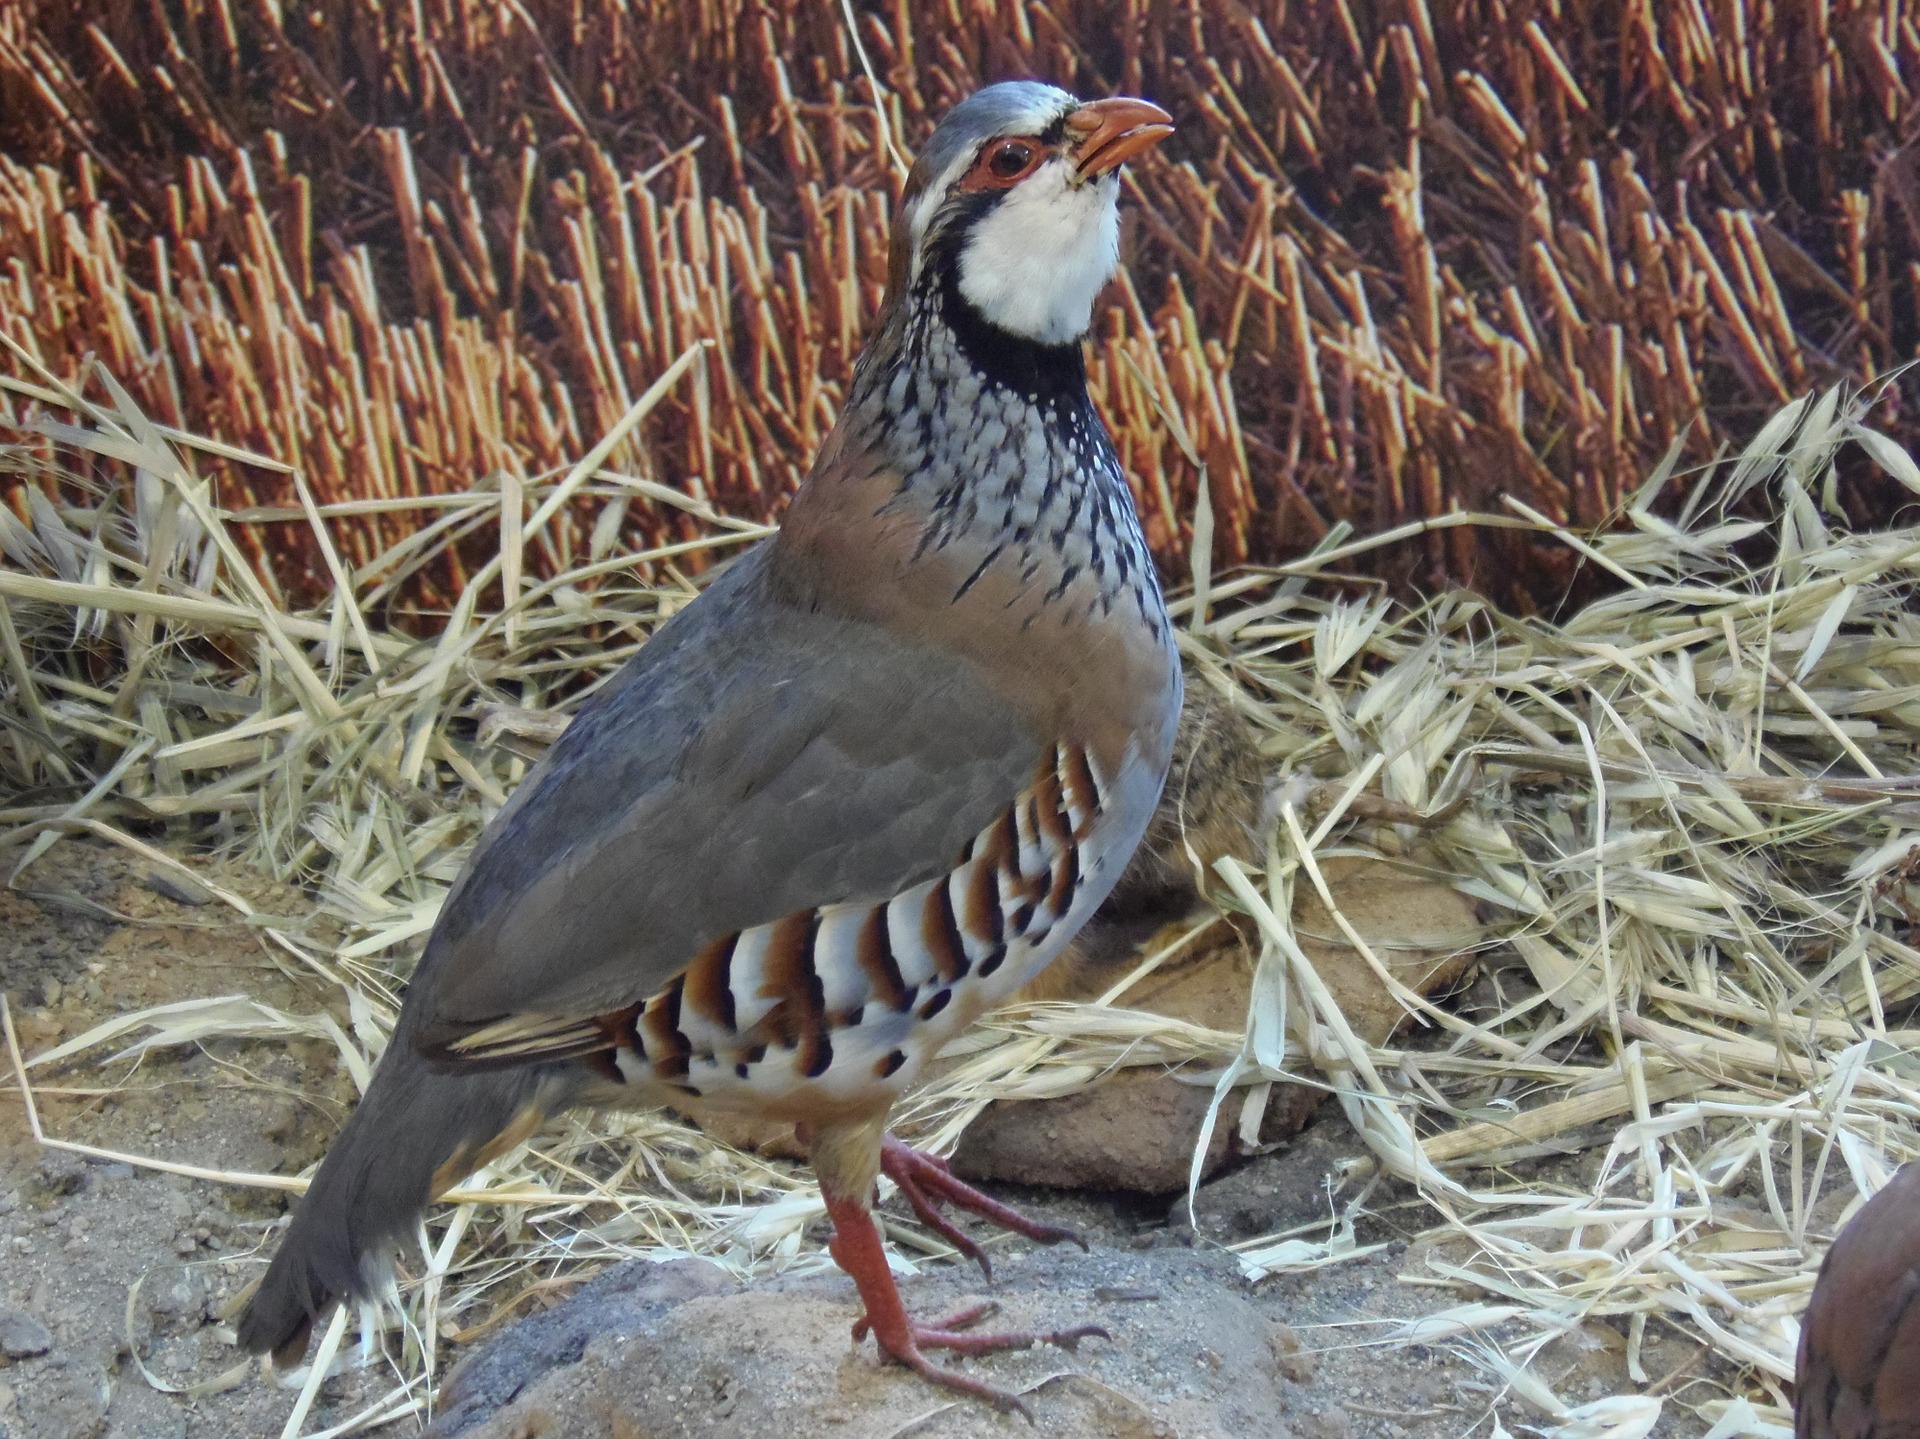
(867, 785)
(1859, 1373)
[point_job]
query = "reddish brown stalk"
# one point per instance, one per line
(411, 247)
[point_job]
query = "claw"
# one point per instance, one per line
(953, 1323)
(924, 1181)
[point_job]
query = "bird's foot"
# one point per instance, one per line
(856, 1248)
(925, 1182)
(952, 1333)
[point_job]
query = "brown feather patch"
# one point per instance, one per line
(1056, 827)
(1030, 886)
(814, 1055)
(1049, 815)
(999, 843)
(788, 977)
(667, 1047)
(984, 917)
(874, 952)
(1066, 875)
(941, 935)
(1082, 792)
(618, 1030)
(710, 983)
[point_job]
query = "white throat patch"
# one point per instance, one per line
(1037, 261)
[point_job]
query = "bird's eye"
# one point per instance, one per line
(1009, 159)
(1003, 164)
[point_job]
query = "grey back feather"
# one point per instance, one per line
(734, 774)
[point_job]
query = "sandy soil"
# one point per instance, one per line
(104, 1261)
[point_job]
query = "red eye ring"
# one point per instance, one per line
(1009, 159)
(1003, 164)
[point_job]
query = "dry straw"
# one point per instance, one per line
(1688, 810)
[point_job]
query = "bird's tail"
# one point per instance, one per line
(417, 1133)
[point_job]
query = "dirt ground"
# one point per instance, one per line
(113, 1277)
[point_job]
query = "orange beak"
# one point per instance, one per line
(1108, 133)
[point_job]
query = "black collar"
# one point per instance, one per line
(1054, 375)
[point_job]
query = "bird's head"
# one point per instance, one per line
(1011, 205)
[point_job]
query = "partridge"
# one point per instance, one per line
(1859, 1370)
(866, 786)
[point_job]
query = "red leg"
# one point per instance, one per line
(925, 1181)
(856, 1248)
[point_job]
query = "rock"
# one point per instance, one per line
(1424, 933)
(177, 1292)
(180, 888)
(1291, 1357)
(22, 1336)
(1189, 1359)
(58, 1176)
(282, 1117)
(1134, 1131)
(620, 1302)
(70, 1403)
(1331, 1422)
(1271, 1192)
(1137, 1129)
